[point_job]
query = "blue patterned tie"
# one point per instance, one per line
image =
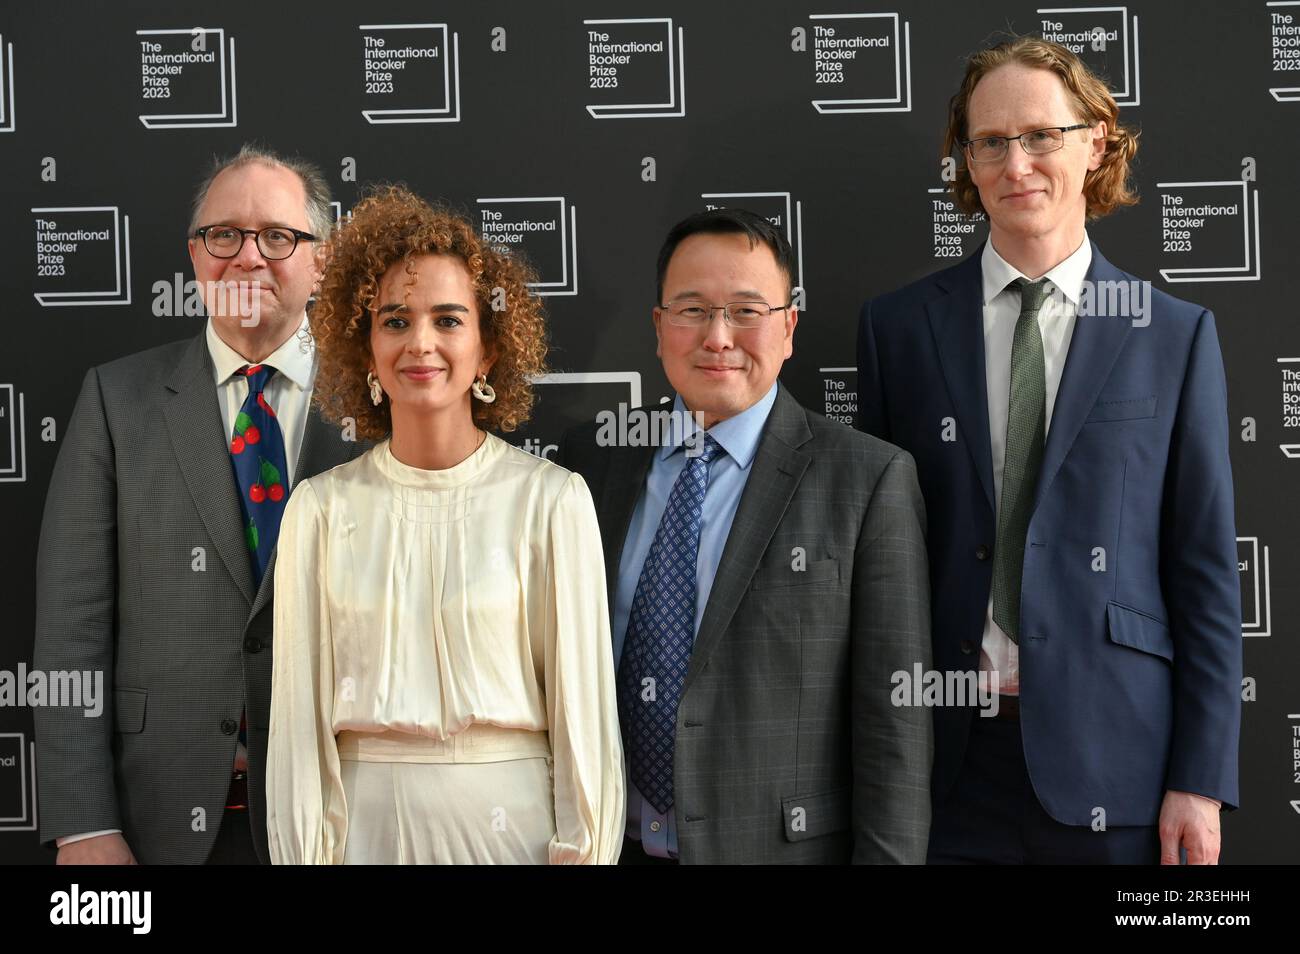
(660, 633)
(257, 453)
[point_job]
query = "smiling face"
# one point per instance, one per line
(255, 196)
(1031, 198)
(424, 336)
(720, 370)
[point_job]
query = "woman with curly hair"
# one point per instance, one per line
(443, 686)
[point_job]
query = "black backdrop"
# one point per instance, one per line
(713, 104)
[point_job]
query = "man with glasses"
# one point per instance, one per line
(768, 579)
(160, 523)
(1070, 431)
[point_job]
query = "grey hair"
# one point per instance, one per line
(320, 216)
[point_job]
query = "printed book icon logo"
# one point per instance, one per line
(1105, 38)
(779, 208)
(187, 65)
(13, 435)
(1290, 403)
(1191, 219)
(631, 58)
(565, 398)
(865, 55)
(544, 229)
(6, 86)
(1256, 588)
(72, 248)
(405, 66)
(17, 782)
(1284, 94)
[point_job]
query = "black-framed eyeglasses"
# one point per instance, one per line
(693, 313)
(274, 242)
(1036, 142)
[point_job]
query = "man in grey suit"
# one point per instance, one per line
(768, 577)
(145, 570)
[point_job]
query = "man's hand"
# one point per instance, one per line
(100, 850)
(1191, 821)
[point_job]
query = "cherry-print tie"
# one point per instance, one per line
(257, 453)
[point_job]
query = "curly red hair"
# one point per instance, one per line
(393, 225)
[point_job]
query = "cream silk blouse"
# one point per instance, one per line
(421, 601)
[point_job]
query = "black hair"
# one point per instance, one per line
(726, 222)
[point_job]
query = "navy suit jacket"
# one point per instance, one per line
(1131, 674)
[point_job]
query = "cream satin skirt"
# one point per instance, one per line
(483, 796)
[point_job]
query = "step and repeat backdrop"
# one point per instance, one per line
(576, 134)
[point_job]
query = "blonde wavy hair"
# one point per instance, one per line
(1105, 188)
(393, 225)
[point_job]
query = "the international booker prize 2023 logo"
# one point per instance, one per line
(543, 229)
(17, 783)
(7, 121)
(187, 78)
(1209, 229)
(13, 435)
(636, 68)
(411, 73)
(83, 255)
(1105, 38)
(1284, 49)
(861, 62)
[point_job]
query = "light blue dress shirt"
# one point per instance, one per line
(728, 474)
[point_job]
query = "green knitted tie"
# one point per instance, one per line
(1026, 418)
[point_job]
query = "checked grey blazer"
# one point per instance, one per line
(142, 482)
(788, 748)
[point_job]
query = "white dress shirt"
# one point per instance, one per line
(288, 392)
(1056, 322)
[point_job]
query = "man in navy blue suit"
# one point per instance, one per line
(1070, 431)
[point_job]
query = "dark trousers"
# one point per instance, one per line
(234, 845)
(992, 816)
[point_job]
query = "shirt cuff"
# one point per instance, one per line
(69, 839)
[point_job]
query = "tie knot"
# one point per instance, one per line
(1032, 294)
(710, 450)
(258, 375)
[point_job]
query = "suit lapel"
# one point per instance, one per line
(1094, 346)
(193, 421)
(623, 485)
(777, 468)
(957, 322)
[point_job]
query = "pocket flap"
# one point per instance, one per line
(783, 574)
(128, 711)
(1137, 630)
(1130, 410)
(809, 816)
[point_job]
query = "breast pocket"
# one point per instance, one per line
(789, 573)
(1127, 409)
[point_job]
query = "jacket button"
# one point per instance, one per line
(229, 726)
(981, 552)
(252, 645)
(967, 646)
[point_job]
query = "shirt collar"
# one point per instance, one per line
(1067, 275)
(295, 358)
(737, 435)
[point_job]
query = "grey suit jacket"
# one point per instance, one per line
(788, 749)
(143, 574)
